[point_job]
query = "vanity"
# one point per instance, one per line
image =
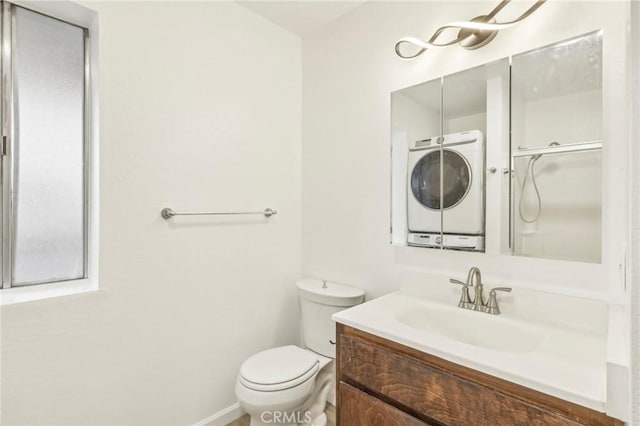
(501, 165)
(381, 382)
(415, 358)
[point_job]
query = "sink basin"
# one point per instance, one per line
(473, 328)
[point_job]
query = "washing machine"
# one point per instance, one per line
(461, 196)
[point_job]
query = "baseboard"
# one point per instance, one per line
(222, 417)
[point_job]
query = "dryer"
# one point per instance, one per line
(462, 157)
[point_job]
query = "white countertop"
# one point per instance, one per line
(567, 361)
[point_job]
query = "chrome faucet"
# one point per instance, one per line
(474, 280)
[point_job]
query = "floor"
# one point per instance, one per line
(330, 411)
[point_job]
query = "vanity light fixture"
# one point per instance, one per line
(471, 35)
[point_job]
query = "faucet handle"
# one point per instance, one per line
(465, 299)
(492, 305)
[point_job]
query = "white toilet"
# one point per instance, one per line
(289, 385)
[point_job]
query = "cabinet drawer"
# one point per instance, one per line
(359, 409)
(435, 395)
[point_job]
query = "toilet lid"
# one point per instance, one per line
(279, 368)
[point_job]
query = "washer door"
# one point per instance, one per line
(425, 179)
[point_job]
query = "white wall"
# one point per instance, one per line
(578, 118)
(570, 206)
(472, 121)
(633, 238)
(200, 110)
(349, 70)
(418, 121)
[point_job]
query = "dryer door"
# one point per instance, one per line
(456, 179)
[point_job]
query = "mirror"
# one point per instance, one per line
(556, 144)
(503, 158)
(443, 131)
(415, 119)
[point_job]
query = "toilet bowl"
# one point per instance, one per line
(278, 381)
(289, 385)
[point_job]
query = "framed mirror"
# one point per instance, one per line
(556, 140)
(504, 158)
(443, 132)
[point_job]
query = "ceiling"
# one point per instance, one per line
(301, 17)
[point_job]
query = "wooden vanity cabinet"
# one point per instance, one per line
(382, 383)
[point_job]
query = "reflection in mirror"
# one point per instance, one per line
(504, 159)
(475, 127)
(415, 120)
(464, 110)
(556, 150)
(443, 133)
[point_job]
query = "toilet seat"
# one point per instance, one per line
(278, 369)
(280, 386)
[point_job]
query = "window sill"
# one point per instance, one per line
(46, 291)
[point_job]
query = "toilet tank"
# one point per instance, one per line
(318, 301)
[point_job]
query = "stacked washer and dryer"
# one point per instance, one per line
(446, 208)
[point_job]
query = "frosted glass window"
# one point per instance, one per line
(49, 144)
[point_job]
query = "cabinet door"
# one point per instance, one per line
(434, 394)
(475, 136)
(360, 409)
(415, 134)
(557, 143)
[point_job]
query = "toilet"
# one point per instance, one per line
(289, 385)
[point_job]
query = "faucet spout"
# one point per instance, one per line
(474, 278)
(474, 272)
